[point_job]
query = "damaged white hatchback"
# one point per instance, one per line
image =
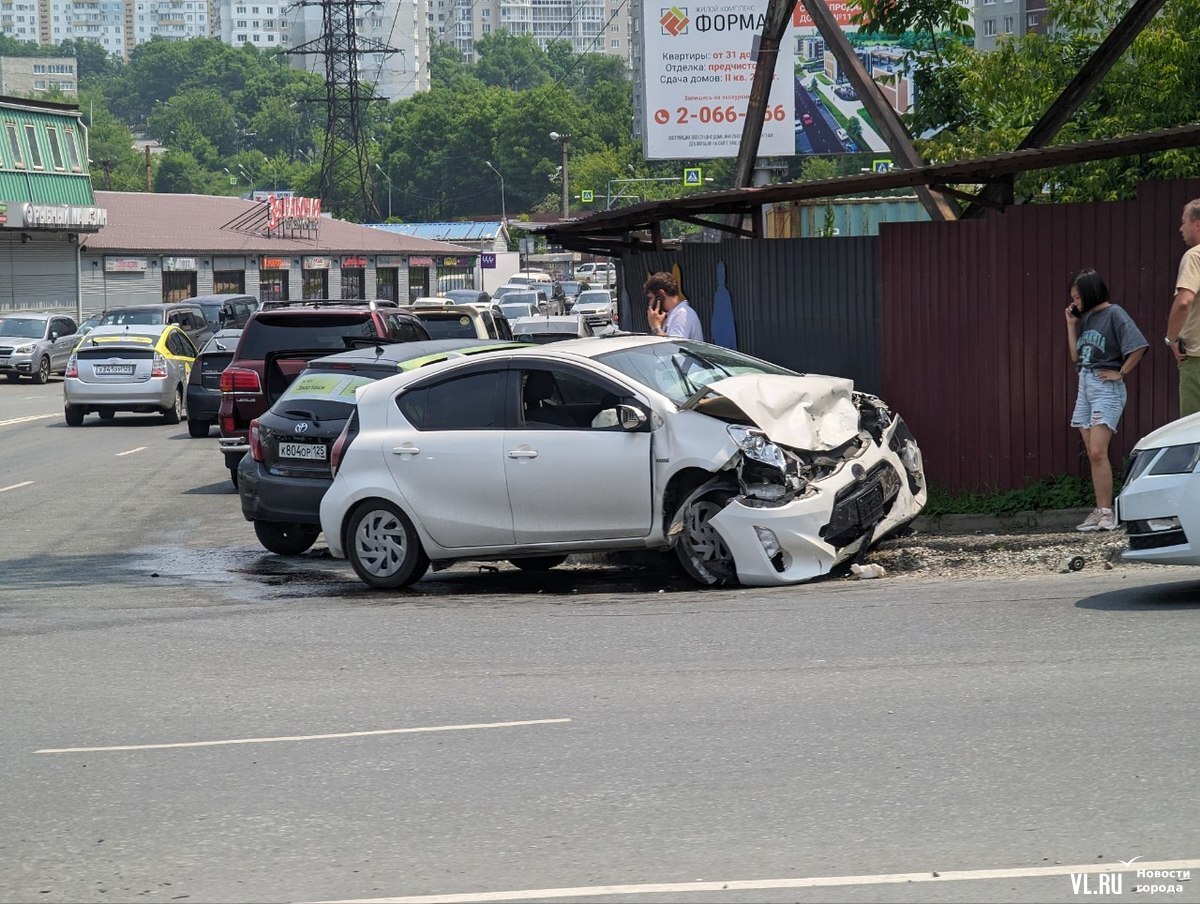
(752, 473)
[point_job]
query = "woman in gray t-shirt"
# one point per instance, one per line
(1105, 345)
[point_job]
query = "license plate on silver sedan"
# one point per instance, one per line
(113, 370)
(305, 451)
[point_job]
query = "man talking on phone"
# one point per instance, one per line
(668, 312)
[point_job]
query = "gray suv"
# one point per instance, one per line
(36, 345)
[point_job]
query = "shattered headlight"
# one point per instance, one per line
(756, 447)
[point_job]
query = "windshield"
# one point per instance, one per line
(148, 315)
(679, 369)
(22, 327)
(513, 311)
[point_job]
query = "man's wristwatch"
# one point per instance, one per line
(1169, 340)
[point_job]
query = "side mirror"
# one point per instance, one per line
(631, 418)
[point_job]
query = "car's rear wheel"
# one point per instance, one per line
(174, 414)
(42, 375)
(286, 539)
(539, 563)
(74, 415)
(198, 428)
(383, 546)
(701, 551)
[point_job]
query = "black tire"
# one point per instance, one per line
(539, 563)
(233, 476)
(174, 414)
(74, 415)
(286, 539)
(41, 376)
(198, 429)
(701, 551)
(383, 547)
(106, 414)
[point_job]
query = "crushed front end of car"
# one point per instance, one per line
(819, 473)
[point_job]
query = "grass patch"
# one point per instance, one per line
(1049, 493)
(867, 120)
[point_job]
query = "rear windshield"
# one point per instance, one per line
(460, 327)
(147, 315)
(273, 333)
(329, 394)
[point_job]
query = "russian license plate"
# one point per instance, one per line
(870, 505)
(305, 451)
(114, 370)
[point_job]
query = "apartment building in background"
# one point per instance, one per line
(22, 76)
(996, 20)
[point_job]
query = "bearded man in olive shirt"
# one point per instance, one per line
(1183, 324)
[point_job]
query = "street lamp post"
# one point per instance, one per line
(566, 190)
(389, 182)
(503, 210)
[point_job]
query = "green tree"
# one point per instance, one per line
(180, 173)
(515, 63)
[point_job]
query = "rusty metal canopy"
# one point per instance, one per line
(638, 227)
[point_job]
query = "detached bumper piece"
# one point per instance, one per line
(862, 505)
(1147, 534)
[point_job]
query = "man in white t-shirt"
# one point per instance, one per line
(668, 312)
(1183, 323)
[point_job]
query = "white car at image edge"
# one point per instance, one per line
(1160, 500)
(750, 472)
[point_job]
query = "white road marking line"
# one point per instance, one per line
(26, 419)
(15, 486)
(315, 737)
(593, 891)
(131, 451)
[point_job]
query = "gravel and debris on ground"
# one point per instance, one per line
(983, 554)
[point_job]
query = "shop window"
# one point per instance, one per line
(229, 282)
(387, 284)
(354, 282)
(14, 145)
(316, 284)
(56, 154)
(72, 150)
(273, 285)
(178, 285)
(418, 282)
(35, 151)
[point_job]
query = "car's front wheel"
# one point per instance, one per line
(42, 375)
(700, 549)
(174, 414)
(286, 539)
(74, 415)
(539, 563)
(383, 546)
(198, 428)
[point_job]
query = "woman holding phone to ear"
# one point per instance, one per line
(1105, 345)
(668, 312)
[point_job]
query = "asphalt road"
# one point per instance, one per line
(600, 727)
(822, 135)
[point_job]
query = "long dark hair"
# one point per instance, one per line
(1092, 289)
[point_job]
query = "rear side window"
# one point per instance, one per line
(275, 332)
(473, 402)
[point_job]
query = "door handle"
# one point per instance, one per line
(405, 450)
(522, 453)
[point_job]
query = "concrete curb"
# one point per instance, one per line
(1049, 521)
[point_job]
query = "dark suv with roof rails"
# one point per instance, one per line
(276, 344)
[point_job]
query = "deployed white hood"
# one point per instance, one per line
(816, 413)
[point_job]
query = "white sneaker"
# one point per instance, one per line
(1108, 519)
(1092, 521)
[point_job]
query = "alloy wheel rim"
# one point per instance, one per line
(44, 370)
(381, 544)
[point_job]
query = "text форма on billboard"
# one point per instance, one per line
(699, 66)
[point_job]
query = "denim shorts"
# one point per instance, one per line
(1099, 401)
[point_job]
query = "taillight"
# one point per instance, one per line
(345, 438)
(158, 368)
(240, 379)
(228, 425)
(72, 367)
(255, 441)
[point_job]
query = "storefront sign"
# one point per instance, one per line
(61, 216)
(171, 264)
(293, 213)
(487, 260)
(125, 264)
(315, 263)
(456, 261)
(3, 214)
(389, 260)
(353, 262)
(275, 263)
(420, 261)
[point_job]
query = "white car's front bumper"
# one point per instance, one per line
(1146, 506)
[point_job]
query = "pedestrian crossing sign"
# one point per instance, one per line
(881, 166)
(587, 196)
(693, 175)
